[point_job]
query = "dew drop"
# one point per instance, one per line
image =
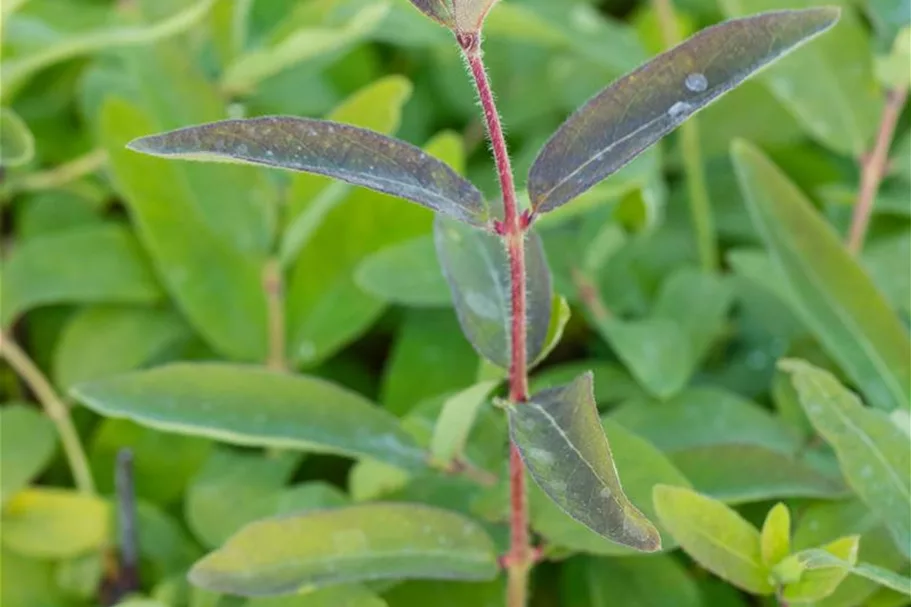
(679, 109)
(696, 82)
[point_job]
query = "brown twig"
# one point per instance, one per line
(873, 168)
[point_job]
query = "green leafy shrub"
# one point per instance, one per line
(258, 387)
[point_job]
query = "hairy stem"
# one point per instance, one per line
(519, 559)
(873, 167)
(697, 191)
(55, 408)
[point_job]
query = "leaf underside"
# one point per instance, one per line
(640, 108)
(563, 444)
(351, 154)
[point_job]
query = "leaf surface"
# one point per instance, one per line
(250, 406)
(562, 443)
(643, 106)
(354, 544)
(352, 154)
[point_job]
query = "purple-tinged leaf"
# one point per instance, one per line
(642, 107)
(440, 11)
(351, 154)
(476, 267)
(461, 16)
(559, 434)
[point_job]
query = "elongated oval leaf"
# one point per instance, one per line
(450, 433)
(89, 264)
(351, 154)
(476, 265)
(250, 406)
(440, 11)
(776, 535)
(339, 546)
(836, 299)
(55, 523)
(562, 443)
(873, 452)
(640, 108)
(715, 536)
(406, 273)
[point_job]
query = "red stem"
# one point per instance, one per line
(519, 559)
(873, 167)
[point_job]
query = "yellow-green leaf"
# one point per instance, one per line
(54, 523)
(775, 538)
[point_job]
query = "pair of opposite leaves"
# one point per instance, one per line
(597, 140)
(601, 137)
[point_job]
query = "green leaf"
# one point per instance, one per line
(406, 273)
(216, 286)
(604, 134)
(441, 11)
(567, 454)
(836, 298)
(254, 482)
(831, 86)
(26, 582)
(736, 474)
(679, 423)
(105, 340)
(250, 406)
(656, 351)
(419, 593)
(715, 536)
(428, 346)
(54, 523)
(450, 434)
(775, 538)
(819, 576)
(354, 544)
(883, 577)
(22, 67)
(250, 69)
(352, 154)
(94, 264)
(349, 595)
(17, 144)
(560, 314)
(152, 451)
(476, 266)
(874, 453)
(656, 581)
(28, 442)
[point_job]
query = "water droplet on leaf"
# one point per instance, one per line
(696, 82)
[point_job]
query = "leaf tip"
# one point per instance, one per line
(144, 145)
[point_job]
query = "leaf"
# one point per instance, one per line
(657, 581)
(567, 454)
(775, 538)
(17, 144)
(20, 68)
(830, 87)
(441, 11)
(152, 452)
(250, 406)
(54, 523)
(348, 595)
(874, 454)
(679, 423)
(747, 473)
(255, 483)
(560, 314)
(837, 300)
(251, 68)
(406, 273)
(27, 445)
(643, 106)
(450, 434)
(419, 593)
(883, 577)
(105, 340)
(217, 287)
(476, 266)
(430, 346)
(345, 545)
(715, 536)
(94, 264)
(27, 582)
(655, 350)
(819, 577)
(352, 154)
